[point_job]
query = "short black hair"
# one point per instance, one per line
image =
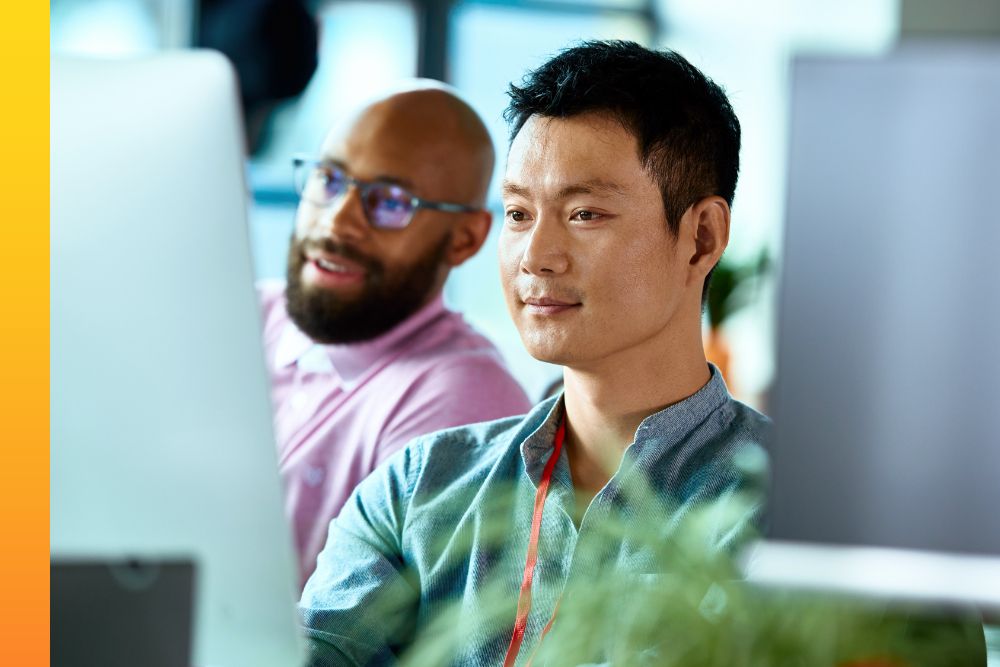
(688, 134)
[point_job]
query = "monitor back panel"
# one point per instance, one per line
(161, 436)
(887, 405)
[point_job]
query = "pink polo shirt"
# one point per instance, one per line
(340, 410)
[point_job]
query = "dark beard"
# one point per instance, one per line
(386, 299)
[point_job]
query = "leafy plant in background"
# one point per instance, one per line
(734, 285)
(687, 607)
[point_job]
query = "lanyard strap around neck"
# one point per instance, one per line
(524, 599)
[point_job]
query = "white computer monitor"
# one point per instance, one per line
(886, 459)
(161, 436)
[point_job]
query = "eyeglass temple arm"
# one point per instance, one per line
(445, 206)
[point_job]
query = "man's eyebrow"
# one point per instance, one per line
(598, 186)
(514, 189)
(394, 180)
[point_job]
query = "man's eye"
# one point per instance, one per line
(586, 216)
(515, 216)
(331, 180)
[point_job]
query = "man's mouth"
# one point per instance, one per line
(335, 267)
(546, 305)
(330, 270)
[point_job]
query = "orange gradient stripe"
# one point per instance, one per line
(24, 333)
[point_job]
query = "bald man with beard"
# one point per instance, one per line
(363, 354)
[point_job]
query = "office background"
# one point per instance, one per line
(480, 46)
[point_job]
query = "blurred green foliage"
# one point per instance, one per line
(685, 604)
(734, 285)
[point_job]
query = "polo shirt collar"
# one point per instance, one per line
(350, 360)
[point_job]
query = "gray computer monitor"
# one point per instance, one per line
(161, 438)
(886, 460)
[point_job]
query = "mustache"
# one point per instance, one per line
(536, 289)
(328, 245)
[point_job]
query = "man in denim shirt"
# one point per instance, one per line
(620, 176)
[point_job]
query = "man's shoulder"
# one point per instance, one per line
(725, 459)
(456, 360)
(735, 451)
(749, 442)
(460, 455)
(451, 337)
(734, 436)
(749, 422)
(473, 445)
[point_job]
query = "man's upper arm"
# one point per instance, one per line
(361, 602)
(461, 391)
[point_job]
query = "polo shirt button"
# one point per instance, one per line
(314, 475)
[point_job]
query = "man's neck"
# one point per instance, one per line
(606, 402)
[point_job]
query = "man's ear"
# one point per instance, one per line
(706, 223)
(468, 236)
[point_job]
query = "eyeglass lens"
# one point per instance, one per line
(387, 206)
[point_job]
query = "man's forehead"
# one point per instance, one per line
(579, 154)
(374, 163)
(592, 126)
(378, 151)
(428, 137)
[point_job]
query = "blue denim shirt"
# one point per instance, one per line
(440, 533)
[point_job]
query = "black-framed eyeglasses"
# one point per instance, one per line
(386, 205)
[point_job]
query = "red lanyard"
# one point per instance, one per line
(524, 599)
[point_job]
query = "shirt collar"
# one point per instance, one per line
(350, 360)
(674, 422)
(659, 430)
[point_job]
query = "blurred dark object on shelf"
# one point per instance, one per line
(274, 46)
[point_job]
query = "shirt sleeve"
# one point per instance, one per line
(360, 604)
(460, 392)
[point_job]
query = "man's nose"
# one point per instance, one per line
(344, 218)
(545, 252)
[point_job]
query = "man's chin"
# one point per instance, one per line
(325, 314)
(337, 298)
(550, 351)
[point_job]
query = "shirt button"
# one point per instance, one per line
(314, 475)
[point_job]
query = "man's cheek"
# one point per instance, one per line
(509, 256)
(303, 222)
